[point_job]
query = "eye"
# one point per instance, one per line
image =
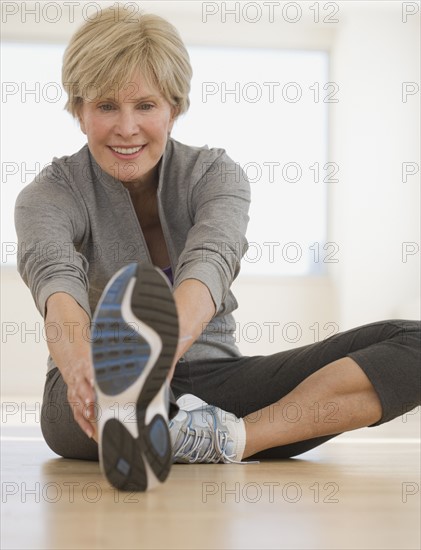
(105, 107)
(146, 106)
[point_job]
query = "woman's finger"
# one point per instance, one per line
(79, 413)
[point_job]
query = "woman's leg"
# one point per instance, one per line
(295, 400)
(337, 398)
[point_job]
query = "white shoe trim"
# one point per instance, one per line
(190, 402)
(109, 403)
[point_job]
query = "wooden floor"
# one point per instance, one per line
(359, 491)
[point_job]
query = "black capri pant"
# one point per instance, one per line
(389, 353)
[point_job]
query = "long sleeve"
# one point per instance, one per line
(50, 225)
(216, 242)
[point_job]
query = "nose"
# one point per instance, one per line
(127, 124)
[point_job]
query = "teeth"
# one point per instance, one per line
(126, 151)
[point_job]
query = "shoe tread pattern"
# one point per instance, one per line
(122, 455)
(152, 302)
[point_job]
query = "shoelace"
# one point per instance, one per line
(215, 452)
(216, 449)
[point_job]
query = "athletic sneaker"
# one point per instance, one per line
(204, 433)
(135, 337)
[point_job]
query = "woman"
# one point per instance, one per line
(134, 198)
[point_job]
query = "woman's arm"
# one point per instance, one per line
(195, 309)
(218, 202)
(71, 352)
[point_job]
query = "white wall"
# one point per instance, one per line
(371, 211)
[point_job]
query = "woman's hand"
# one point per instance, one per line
(78, 376)
(72, 355)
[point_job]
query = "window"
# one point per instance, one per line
(267, 108)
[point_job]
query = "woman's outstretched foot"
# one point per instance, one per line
(135, 337)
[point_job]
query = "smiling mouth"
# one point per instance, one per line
(127, 150)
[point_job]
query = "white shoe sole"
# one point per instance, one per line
(134, 341)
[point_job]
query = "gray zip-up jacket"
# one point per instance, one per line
(77, 226)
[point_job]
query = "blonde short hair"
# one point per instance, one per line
(107, 51)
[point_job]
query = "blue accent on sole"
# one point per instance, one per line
(119, 352)
(158, 436)
(123, 466)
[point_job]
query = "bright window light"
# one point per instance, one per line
(267, 108)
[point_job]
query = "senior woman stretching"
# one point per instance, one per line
(151, 234)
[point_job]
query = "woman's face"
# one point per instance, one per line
(128, 131)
